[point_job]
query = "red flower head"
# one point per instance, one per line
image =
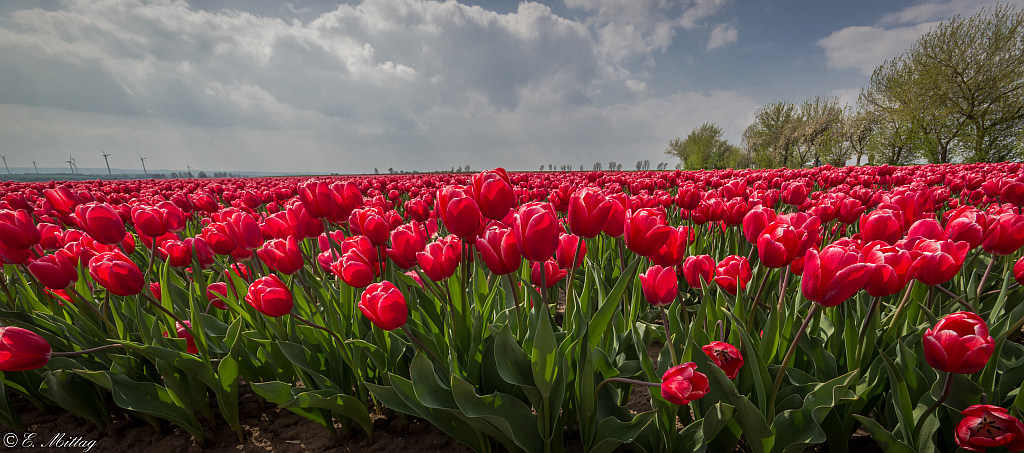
(832, 276)
(493, 192)
(959, 343)
(552, 274)
(54, 271)
(985, 426)
(850, 210)
(731, 272)
(385, 305)
(588, 212)
(645, 231)
(936, 262)
(966, 223)
(244, 230)
(777, 244)
(116, 273)
(671, 254)
(406, 241)
(22, 350)
(1018, 271)
(616, 215)
(101, 222)
(149, 221)
(536, 229)
(358, 265)
(370, 222)
(217, 289)
(440, 259)
(499, 250)
(725, 356)
(459, 211)
(682, 384)
(317, 198)
(567, 251)
(891, 268)
(1005, 235)
(699, 270)
(927, 228)
(755, 222)
(269, 296)
(660, 285)
(281, 255)
(17, 230)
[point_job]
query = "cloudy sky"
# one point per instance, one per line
(348, 86)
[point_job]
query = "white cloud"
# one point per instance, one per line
(415, 84)
(847, 97)
(866, 47)
(721, 35)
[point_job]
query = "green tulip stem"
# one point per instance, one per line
(928, 412)
(789, 356)
(541, 286)
(721, 330)
(515, 297)
(959, 299)
(157, 304)
(984, 277)
(110, 326)
(757, 298)
(421, 346)
(668, 336)
(901, 306)
(782, 289)
(627, 381)
(864, 328)
(341, 342)
(86, 351)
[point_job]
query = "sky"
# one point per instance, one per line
(319, 87)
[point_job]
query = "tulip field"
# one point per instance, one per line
(764, 310)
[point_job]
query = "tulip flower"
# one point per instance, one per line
(440, 259)
(243, 229)
(536, 230)
(174, 218)
(116, 273)
(50, 236)
(459, 211)
(966, 223)
(699, 270)
(499, 250)
(926, 228)
(1018, 270)
(682, 384)
(283, 256)
(406, 241)
(54, 271)
(834, 275)
(176, 253)
(358, 265)
(588, 211)
(755, 222)
(891, 268)
(101, 222)
(1005, 235)
(660, 285)
(672, 252)
(985, 426)
(725, 356)
(777, 245)
(958, 343)
(616, 216)
(850, 210)
(182, 332)
(493, 192)
(149, 221)
(22, 350)
(570, 248)
(370, 222)
(552, 274)
(215, 289)
(384, 304)
(317, 198)
(269, 296)
(936, 262)
(732, 272)
(17, 230)
(645, 231)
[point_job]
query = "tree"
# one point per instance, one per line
(774, 135)
(857, 130)
(819, 133)
(703, 148)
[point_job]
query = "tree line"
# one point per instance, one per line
(957, 95)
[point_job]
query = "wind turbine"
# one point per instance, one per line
(5, 165)
(74, 164)
(105, 160)
(189, 170)
(143, 159)
(71, 164)
(34, 165)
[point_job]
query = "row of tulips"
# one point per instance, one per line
(773, 310)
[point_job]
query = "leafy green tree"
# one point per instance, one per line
(704, 148)
(773, 137)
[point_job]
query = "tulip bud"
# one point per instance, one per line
(536, 231)
(54, 271)
(384, 304)
(552, 274)
(834, 275)
(588, 211)
(682, 384)
(499, 250)
(645, 231)
(22, 350)
(660, 285)
(269, 296)
(732, 272)
(959, 343)
(116, 273)
(101, 222)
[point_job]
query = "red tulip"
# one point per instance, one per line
(54, 271)
(850, 210)
(966, 223)
(370, 222)
(406, 241)
(358, 265)
(269, 296)
(49, 236)
(959, 343)
(149, 221)
(317, 198)
(832, 276)
(699, 270)
(176, 253)
(1018, 270)
(725, 356)
(417, 210)
(926, 228)
(22, 350)
(891, 268)
(660, 285)
(552, 274)
(672, 252)
(283, 256)
(116, 273)
(571, 251)
(218, 238)
(616, 222)
(645, 231)
(190, 342)
(777, 245)
(215, 289)
(794, 193)
(731, 272)
(174, 218)
(347, 198)
(499, 250)
(459, 211)
(985, 426)
(536, 231)
(682, 384)
(755, 222)
(588, 212)
(440, 259)
(101, 222)
(493, 192)
(1005, 235)
(936, 262)
(384, 304)
(17, 230)
(244, 230)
